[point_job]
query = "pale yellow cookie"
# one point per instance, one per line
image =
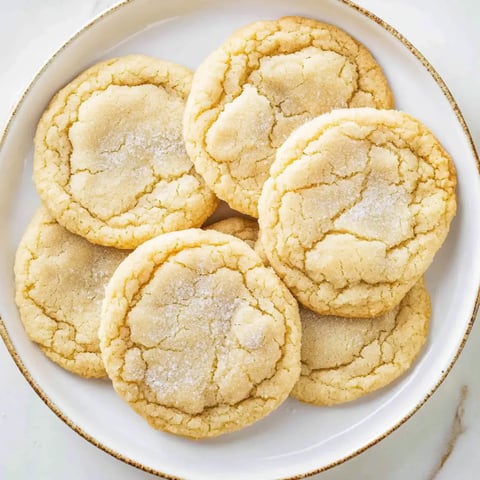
(263, 82)
(110, 163)
(244, 229)
(198, 336)
(60, 280)
(240, 227)
(358, 203)
(346, 358)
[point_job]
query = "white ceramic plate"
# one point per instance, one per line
(297, 439)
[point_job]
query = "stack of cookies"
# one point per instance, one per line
(205, 331)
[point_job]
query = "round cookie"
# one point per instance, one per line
(240, 227)
(346, 358)
(358, 203)
(110, 163)
(198, 336)
(262, 83)
(60, 280)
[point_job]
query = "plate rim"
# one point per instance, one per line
(119, 456)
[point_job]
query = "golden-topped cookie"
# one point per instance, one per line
(358, 203)
(60, 279)
(110, 162)
(197, 335)
(346, 358)
(263, 82)
(243, 228)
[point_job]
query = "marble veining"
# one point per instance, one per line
(458, 428)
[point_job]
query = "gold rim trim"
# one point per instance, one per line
(11, 349)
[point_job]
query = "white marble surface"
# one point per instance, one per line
(440, 442)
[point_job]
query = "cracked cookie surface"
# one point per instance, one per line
(60, 279)
(110, 163)
(358, 203)
(198, 336)
(346, 358)
(263, 82)
(240, 227)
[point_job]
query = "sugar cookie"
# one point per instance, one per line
(346, 358)
(110, 163)
(240, 227)
(60, 279)
(197, 335)
(358, 203)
